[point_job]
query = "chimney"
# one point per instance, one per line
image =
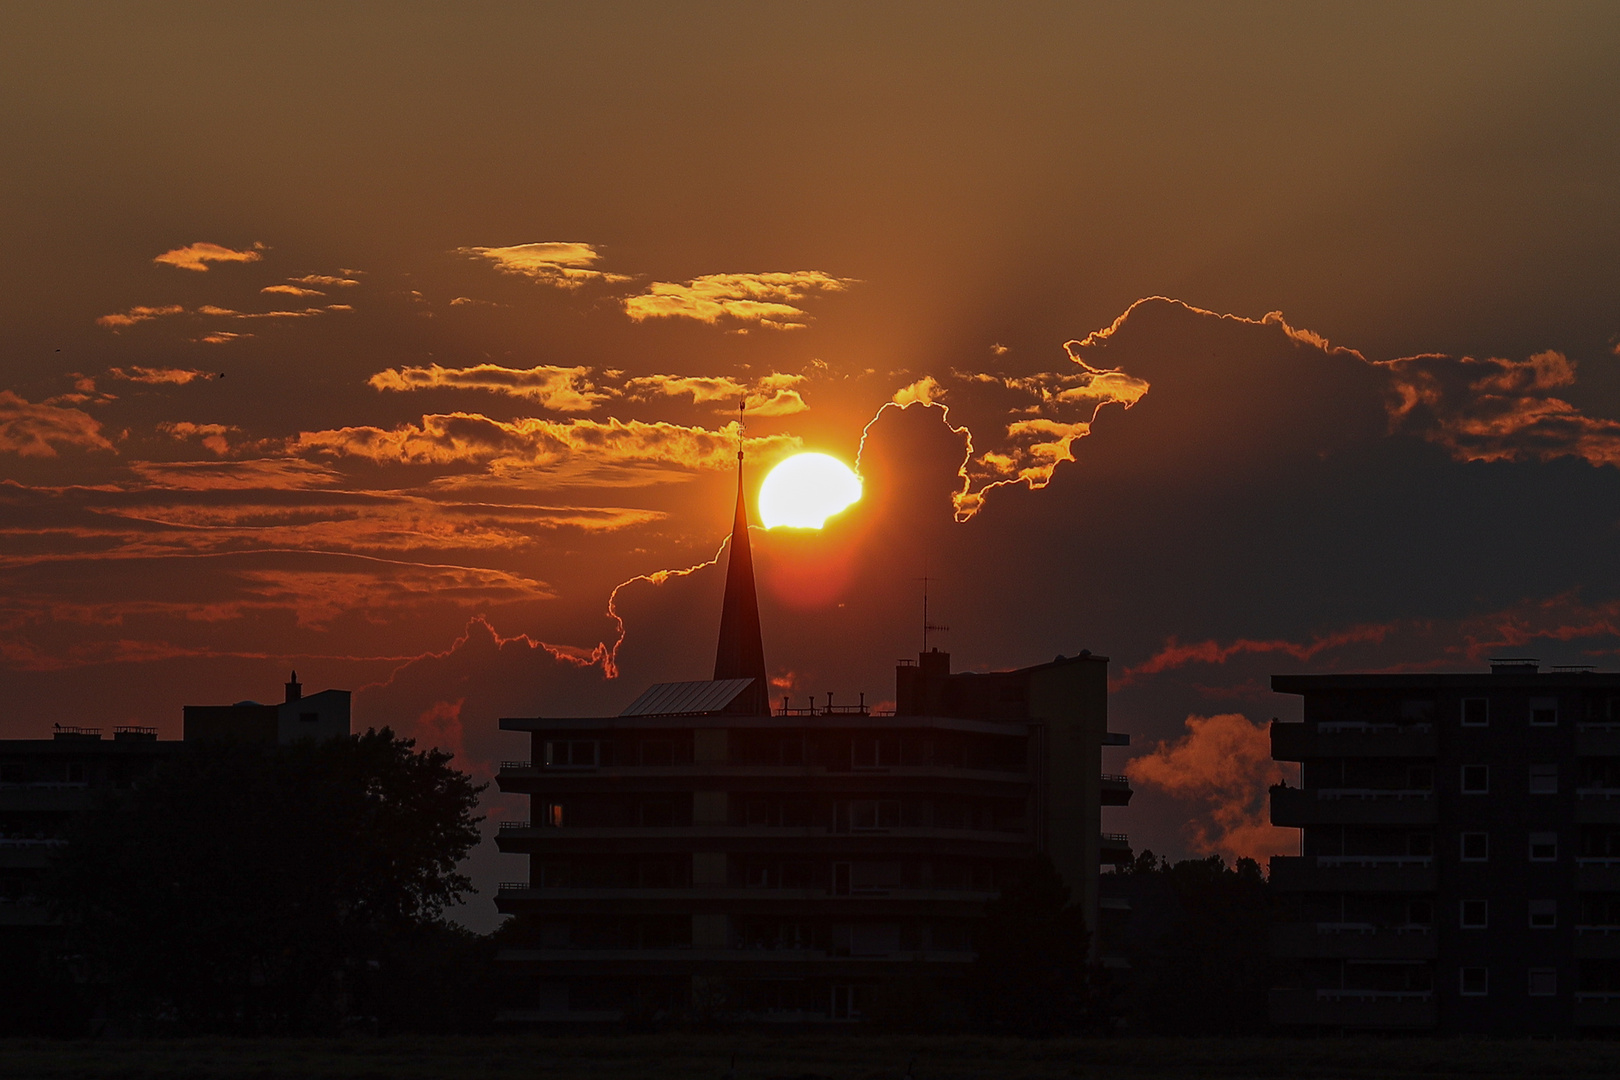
(295, 689)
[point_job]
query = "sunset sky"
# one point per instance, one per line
(385, 341)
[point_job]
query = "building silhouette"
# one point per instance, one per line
(44, 783)
(1460, 853)
(703, 851)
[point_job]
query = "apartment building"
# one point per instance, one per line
(706, 850)
(1459, 865)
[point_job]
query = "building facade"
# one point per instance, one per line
(705, 851)
(1459, 866)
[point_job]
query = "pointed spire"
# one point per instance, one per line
(741, 653)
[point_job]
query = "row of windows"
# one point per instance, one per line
(1476, 847)
(1476, 982)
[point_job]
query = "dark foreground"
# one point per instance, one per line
(804, 1057)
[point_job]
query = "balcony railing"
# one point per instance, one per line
(1597, 995)
(1598, 792)
(1598, 860)
(1364, 727)
(1115, 778)
(1371, 928)
(1374, 793)
(1117, 838)
(1374, 860)
(1597, 928)
(509, 826)
(1373, 995)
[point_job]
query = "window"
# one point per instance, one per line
(1543, 914)
(1543, 847)
(1543, 982)
(1476, 712)
(1476, 846)
(1544, 779)
(554, 815)
(1474, 981)
(1475, 914)
(1544, 711)
(1476, 779)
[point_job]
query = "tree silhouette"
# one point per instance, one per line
(1031, 976)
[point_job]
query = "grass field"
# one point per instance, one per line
(806, 1057)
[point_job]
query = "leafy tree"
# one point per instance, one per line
(1031, 975)
(254, 887)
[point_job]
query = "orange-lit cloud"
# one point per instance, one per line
(176, 376)
(1175, 654)
(120, 319)
(212, 436)
(37, 430)
(771, 395)
(560, 389)
(1054, 409)
(198, 256)
(325, 280)
(1498, 410)
(292, 290)
(221, 337)
(1223, 764)
(761, 299)
(563, 264)
(445, 438)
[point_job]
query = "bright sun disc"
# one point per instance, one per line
(805, 490)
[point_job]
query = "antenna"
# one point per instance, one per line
(742, 403)
(927, 626)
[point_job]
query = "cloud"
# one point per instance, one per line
(771, 395)
(221, 337)
(559, 389)
(1224, 763)
(159, 375)
(563, 264)
(326, 280)
(37, 430)
(212, 436)
(1175, 655)
(119, 320)
(1498, 410)
(762, 299)
(291, 290)
(198, 256)
(446, 438)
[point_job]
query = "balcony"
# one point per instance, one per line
(784, 902)
(1353, 941)
(1597, 740)
(1597, 806)
(1352, 1008)
(514, 837)
(1597, 942)
(1116, 848)
(1597, 1010)
(1296, 742)
(1296, 807)
(1353, 873)
(1597, 875)
(524, 777)
(1116, 790)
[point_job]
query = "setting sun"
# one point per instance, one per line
(805, 490)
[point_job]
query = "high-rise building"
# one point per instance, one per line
(1460, 851)
(704, 851)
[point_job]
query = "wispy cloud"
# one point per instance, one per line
(37, 430)
(770, 395)
(177, 376)
(1498, 410)
(327, 281)
(564, 264)
(447, 438)
(560, 389)
(759, 299)
(198, 256)
(120, 319)
(211, 436)
(292, 290)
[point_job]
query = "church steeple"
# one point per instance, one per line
(741, 654)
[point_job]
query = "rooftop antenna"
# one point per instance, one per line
(927, 626)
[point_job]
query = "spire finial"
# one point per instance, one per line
(742, 403)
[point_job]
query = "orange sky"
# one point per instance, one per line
(385, 342)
